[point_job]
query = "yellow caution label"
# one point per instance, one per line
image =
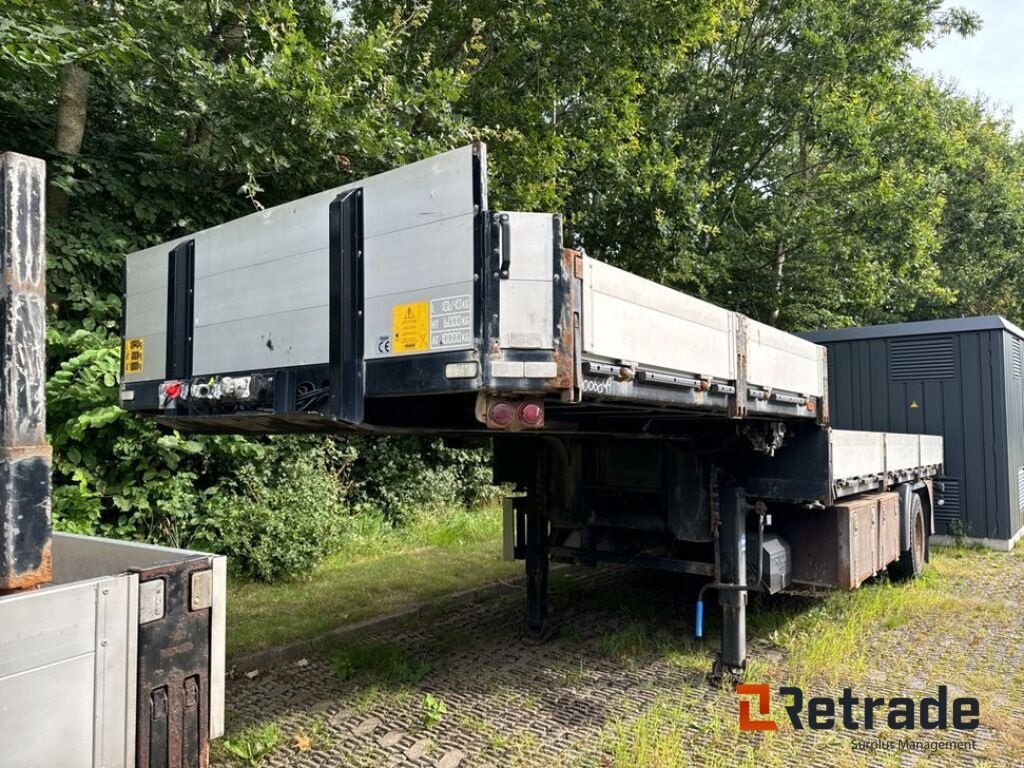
(913, 404)
(133, 349)
(410, 327)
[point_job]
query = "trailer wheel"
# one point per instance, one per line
(911, 562)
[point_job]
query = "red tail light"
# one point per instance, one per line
(501, 414)
(531, 414)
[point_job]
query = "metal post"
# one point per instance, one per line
(24, 456)
(733, 545)
(536, 568)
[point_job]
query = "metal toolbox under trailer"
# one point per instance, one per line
(118, 663)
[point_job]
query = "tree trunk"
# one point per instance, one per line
(72, 108)
(780, 263)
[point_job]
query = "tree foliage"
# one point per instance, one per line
(776, 156)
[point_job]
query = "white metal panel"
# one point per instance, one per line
(146, 308)
(67, 684)
(264, 277)
(261, 342)
(43, 627)
(115, 671)
(431, 262)
(218, 645)
(779, 360)
(901, 452)
(856, 454)
(77, 558)
(526, 297)
(247, 293)
(46, 716)
(931, 450)
(629, 318)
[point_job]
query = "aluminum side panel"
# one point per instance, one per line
(146, 308)
(629, 318)
(264, 277)
(66, 674)
(901, 452)
(856, 454)
(46, 715)
(526, 302)
(779, 360)
(429, 263)
(931, 450)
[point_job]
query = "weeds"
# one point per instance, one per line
(434, 710)
(250, 746)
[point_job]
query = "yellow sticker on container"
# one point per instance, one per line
(133, 349)
(410, 327)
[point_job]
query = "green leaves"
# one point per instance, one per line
(776, 157)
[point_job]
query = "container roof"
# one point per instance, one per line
(922, 328)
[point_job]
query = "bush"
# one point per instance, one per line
(403, 476)
(274, 505)
(280, 516)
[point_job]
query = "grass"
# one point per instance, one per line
(384, 665)
(250, 747)
(380, 571)
(829, 642)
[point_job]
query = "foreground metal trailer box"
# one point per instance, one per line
(959, 378)
(639, 424)
(118, 663)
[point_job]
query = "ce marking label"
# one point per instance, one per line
(384, 345)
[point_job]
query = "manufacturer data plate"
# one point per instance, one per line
(424, 325)
(451, 322)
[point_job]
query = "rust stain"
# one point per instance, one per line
(30, 579)
(565, 353)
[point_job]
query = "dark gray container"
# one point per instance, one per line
(957, 378)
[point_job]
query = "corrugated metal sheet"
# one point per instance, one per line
(963, 385)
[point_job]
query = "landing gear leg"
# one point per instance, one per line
(732, 554)
(537, 573)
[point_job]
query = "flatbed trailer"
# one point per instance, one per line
(639, 424)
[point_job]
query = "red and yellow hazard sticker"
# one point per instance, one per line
(410, 327)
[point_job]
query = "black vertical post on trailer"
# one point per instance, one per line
(732, 594)
(181, 276)
(537, 563)
(25, 529)
(346, 365)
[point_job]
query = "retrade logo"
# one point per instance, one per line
(854, 713)
(764, 707)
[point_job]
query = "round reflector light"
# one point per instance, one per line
(531, 414)
(501, 414)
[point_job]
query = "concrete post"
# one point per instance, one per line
(24, 455)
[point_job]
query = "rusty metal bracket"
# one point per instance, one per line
(25, 529)
(738, 403)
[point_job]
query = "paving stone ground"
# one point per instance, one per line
(623, 683)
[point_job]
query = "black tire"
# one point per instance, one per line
(911, 562)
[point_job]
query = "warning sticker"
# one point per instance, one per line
(410, 327)
(133, 349)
